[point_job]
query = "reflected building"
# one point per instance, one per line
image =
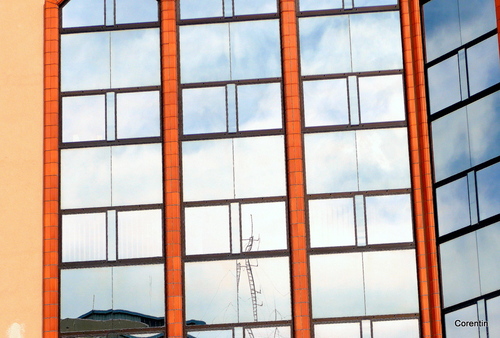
(271, 168)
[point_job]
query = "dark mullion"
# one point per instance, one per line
(92, 334)
(226, 82)
(117, 263)
(230, 135)
(235, 256)
(358, 319)
(251, 200)
(468, 229)
(105, 143)
(341, 11)
(464, 173)
(358, 249)
(361, 192)
(469, 302)
(347, 74)
(117, 208)
(108, 90)
(235, 18)
(119, 27)
(245, 325)
(361, 126)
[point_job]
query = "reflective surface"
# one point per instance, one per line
(308, 5)
(133, 11)
(78, 13)
(381, 98)
(453, 206)
(138, 114)
(204, 110)
(84, 237)
(444, 84)
(488, 252)
(140, 234)
(191, 9)
(207, 230)
(325, 102)
(265, 225)
(259, 106)
(243, 7)
(83, 118)
(337, 330)
(396, 329)
(493, 313)
(488, 191)
(483, 65)
(466, 314)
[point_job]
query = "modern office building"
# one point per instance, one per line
(240, 169)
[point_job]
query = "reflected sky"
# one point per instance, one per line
(453, 206)
(488, 191)
(466, 314)
(140, 234)
(325, 102)
(444, 84)
(396, 329)
(78, 13)
(84, 237)
(483, 66)
(83, 118)
(381, 98)
(138, 114)
(351, 330)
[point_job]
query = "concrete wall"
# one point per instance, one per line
(21, 163)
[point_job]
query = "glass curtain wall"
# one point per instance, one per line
(236, 252)
(362, 250)
(463, 75)
(111, 210)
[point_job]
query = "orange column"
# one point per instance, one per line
(171, 162)
(295, 171)
(51, 172)
(423, 205)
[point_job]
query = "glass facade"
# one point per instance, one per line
(235, 260)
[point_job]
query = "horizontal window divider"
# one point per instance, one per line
(239, 256)
(361, 126)
(93, 333)
(117, 27)
(118, 142)
(465, 172)
(454, 107)
(335, 320)
(342, 11)
(470, 302)
(358, 74)
(187, 204)
(465, 45)
(107, 264)
(117, 208)
(249, 133)
(354, 193)
(229, 326)
(224, 83)
(222, 19)
(468, 229)
(367, 248)
(110, 90)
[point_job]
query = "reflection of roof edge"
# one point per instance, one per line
(118, 311)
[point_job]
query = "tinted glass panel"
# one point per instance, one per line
(140, 234)
(138, 114)
(266, 223)
(459, 268)
(476, 18)
(483, 65)
(191, 9)
(324, 45)
(207, 230)
(135, 58)
(444, 84)
(133, 11)
(204, 110)
(83, 118)
(85, 177)
(442, 27)
(78, 13)
(488, 191)
(453, 206)
(137, 174)
(389, 219)
(376, 41)
(488, 252)
(83, 237)
(259, 106)
(242, 7)
(352, 330)
(466, 314)
(381, 98)
(337, 285)
(396, 329)
(493, 313)
(331, 222)
(325, 102)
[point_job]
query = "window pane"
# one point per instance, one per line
(381, 98)
(450, 144)
(83, 118)
(212, 333)
(192, 9)
(138, 114)
(140, 234)
(207, 230)
(376, 41)
(207, 169)
(266, 332)
(493, 313)
(324, 45)
(325, 102)
(204, 53)
(459, 269)
(84, 237)
(444, 84)
(365, 3)
(337, 285)
(453, 206)
(396, 329)
(351, 330)
(330, 162)
(477, 17)
(259, 106)
(442, 27)
(266, 223)
(217, 301)
(135, 58)
(243, 7)
(483, 65)
(204, 110)
(137, 174)
(331, 222)
(466, 314)
(133, 11)
(383, 159)
(488, 252)
(255, 50)
(389, 219)
(484, 128)
(79, 13)
(390, 282)
(85, 61)
(85, 177)
(259, 166)
(488, 191)
(309, 5)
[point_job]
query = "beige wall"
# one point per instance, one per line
(21, 163)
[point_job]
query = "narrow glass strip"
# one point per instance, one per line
(231, 108)
(353, 100)
(474, 214)
(347, 4)
(238, 332)
(366, 328)
(110, 116)
(359, 206)
(235, 228)
(111, 235)
(462, 66)
(110, 12)
(228, 8)
(481, 316)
